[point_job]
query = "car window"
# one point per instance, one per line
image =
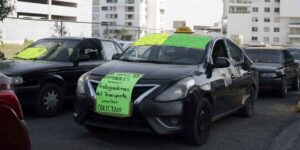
(92, 49)
(109, 49)
(219, 50)
(265, 56)
(235, 52)
(295, 54)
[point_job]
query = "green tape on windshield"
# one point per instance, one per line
(31, 53)
(114, 94)
(187, 40)
(153, 39)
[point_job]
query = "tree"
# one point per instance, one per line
(124, 35)
(5, 9)
(60, 30)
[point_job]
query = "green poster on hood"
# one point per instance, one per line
(113, 94)
(31, 53)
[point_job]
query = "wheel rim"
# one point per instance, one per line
(203, 121)
(51, 99)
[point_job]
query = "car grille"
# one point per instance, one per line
(139, 91)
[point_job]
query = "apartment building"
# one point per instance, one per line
(139, 17)
(275, 22)
(35, 19)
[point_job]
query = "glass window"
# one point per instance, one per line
(266, 39)
(276, 10)
(267, 9)
(255, 9)
(266, 19)
(254, 38)
(276, 29)
(109, 49)
(254, 19)
(254, 29)
(266, 29)
(276, 39)
(265, 56)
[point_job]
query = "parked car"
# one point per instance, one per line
(45, 74)
(169, 84)
(13, 130)
(277, 69)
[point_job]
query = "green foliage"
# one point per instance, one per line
(60, 30)
(5, 9)
(124, 35)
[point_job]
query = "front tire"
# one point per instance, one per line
(199, 122)
(283, 88)
(49, 101)
(296, 84)
(248, 109)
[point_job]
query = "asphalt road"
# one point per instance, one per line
(272, 115)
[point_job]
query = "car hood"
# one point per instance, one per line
(268, 66)
(151, 71)
(19, 67)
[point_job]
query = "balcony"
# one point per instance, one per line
(245, 3)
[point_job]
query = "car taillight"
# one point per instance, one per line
(9, 98)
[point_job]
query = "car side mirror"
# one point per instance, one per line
(289, 61)
(116, 56)
(221, 62)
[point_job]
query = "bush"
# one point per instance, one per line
(2, 57)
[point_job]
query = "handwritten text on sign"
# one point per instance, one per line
(113, 94)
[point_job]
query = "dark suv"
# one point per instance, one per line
(45, 74)
(277, 69)
(169, 84)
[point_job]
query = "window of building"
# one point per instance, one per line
(267, 9)
(66, 4)
(276, 10)
(267, 1)
(254, 38)
(129, 2)
(96, 17)
(162, 12)
(128, 23)
(129, 9)
(104, 8)
(96, 9)
(277, 1)
(255, 9)
(35, 1)
(129, 16)
(254, 19)
(276, 29)
(111, 1)
(276, 39)
(111, 15)
(254, 29)
(266, 19)
(266, 39)
(266, 29)
(96, 2)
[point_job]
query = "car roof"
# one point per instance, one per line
(74, 38)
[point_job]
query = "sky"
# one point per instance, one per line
(194, 12)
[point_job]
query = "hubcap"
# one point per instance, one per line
(50, 99)
(202, 121)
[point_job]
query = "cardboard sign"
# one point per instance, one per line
(189, 41)
(114, 94)
(31, 53)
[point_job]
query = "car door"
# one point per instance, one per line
(241, 76)
(221, 80)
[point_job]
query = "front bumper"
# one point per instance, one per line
(26, 94)
(148, 116)
(270, 83)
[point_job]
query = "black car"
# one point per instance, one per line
(169, 84)
(45, 73)
(277, 69)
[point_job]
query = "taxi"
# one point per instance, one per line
(167, 84)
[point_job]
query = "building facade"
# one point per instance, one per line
(138, 17)
(254, 22)
(35, 19)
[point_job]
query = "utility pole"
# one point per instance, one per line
(61, 28)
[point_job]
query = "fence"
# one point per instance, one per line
(16, 30)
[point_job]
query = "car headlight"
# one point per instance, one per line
(16, 80)
(268, 75)
(177, 91)
(80, 84)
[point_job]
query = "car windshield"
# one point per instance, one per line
(265, 56)
(163, 54)
(49, 50)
